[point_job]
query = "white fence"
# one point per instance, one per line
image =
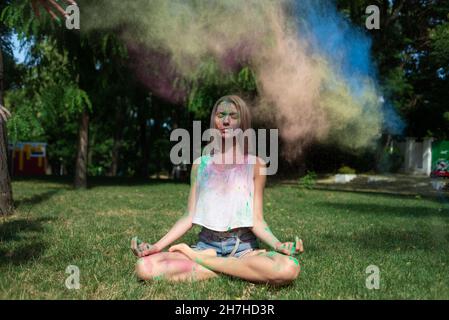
(417, 155)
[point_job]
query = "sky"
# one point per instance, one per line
(19, 54)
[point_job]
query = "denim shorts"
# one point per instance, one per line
(224, 242)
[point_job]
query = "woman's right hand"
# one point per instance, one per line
(290, 248)
(143, 249)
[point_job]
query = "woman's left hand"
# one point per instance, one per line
(290, 248)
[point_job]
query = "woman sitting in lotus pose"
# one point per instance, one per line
(227, 201)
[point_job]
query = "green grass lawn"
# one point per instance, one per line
(55, 226)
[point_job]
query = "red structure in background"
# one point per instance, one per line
(28, 158)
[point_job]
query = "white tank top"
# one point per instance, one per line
(224, 195)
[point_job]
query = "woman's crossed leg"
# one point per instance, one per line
(172, 266)
(183, 263)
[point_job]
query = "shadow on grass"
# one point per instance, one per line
(62, 180)
(433, 195)
(394, 240)
(93, 182)
(22, 254)
(384, 210)
(36, 199)
(21, 241)
(130, 182)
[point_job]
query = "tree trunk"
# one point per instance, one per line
(118, 136)
(144, 147)
(6, 201)
(143, 170)
(81, 158)
(115, 156)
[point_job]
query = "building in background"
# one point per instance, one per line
(428, 156)
(28, 158)
(440, 159)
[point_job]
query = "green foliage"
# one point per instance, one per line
(161, 152)
(398, 88)
(48, 95)
(446, 116)
(18, 15)
(25, 124)
(440, 45)
(391, 161)
(100, 151)
(47, 105)
(210, 83)
(308, 181)
(346, 170)
(246, 79)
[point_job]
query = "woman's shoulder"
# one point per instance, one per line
(258, 161)
(204, 159)
(259, 166)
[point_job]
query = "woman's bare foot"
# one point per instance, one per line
(208, 252)
(191, 253)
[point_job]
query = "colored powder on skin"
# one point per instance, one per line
(267, 229)
(200, 262)
(271, 253)
(294, 260)
(157, 278)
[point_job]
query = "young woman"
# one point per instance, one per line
(226, 199)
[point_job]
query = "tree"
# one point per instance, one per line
(6, 199)
(84, 52)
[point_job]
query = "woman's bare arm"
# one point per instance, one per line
(181, 226)
(260, 228)
(184, 224)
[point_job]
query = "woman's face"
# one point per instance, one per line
(227, 118)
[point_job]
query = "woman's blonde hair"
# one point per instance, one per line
(242, 108)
